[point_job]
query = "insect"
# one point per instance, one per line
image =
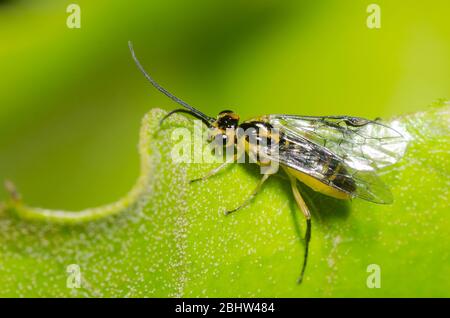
(335, 155)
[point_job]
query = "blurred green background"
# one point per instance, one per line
(71, 100)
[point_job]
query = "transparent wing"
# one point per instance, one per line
(307, 157)
(371, 188)
(364, 145)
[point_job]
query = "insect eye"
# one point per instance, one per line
(227, 122)
(226, 112)
(227, 119)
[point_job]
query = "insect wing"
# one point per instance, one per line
(363, 145)
(370, 187)
(311, 159)
(313, 142)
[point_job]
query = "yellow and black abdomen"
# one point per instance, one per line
(337, 187)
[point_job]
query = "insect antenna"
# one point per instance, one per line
(305, 259)
(191, 109)
(183, 110)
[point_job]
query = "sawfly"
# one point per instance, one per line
(337, 156)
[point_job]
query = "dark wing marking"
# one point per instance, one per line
(364, 145)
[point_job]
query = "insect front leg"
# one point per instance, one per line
(252, 195)
(304, 208)
(215, 170)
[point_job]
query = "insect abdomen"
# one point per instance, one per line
(318, 185)
(336, 174)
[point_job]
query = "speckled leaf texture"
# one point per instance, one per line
(169, 238)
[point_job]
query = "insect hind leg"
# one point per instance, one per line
(304, 208)
(305, 257)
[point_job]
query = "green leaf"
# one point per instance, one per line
(167, 237)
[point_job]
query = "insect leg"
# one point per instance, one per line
(298, 198)
(252, 195)
(215, 170)
(302, 205)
